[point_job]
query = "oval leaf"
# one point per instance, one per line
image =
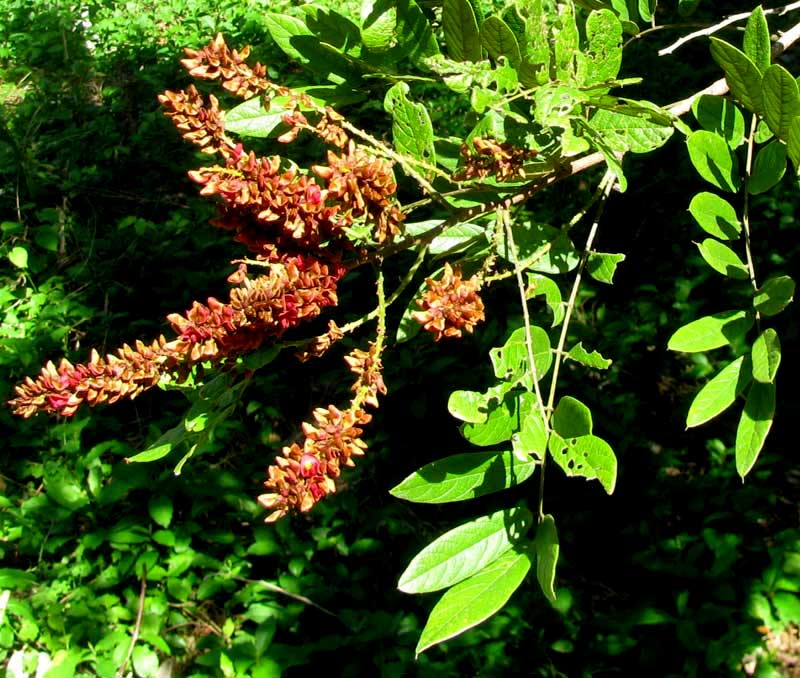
(754, 425)
(774, 295)
(572, 418)
(499, 40)
(461, 31)
(465, 551)
(546, 544)
(715, 215)
(741, 74)
(474, 600)
(757, 45)
(768, 168)
(711, 331)
(723, 259)
(464, 476)
(766, 356)
(719, 393)
(721, 116)
(780, 100)
(510, 361)
(411, 125)
(714, 160)
(469, 406)
(586, 456)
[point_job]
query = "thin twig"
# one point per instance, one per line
(294, 596)
(734, 18)
(746, 209)
(137, 626)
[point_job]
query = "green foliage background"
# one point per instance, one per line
(671, 576)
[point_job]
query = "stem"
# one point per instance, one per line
(137, 626)
(746, 210)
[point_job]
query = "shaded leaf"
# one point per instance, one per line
(503, 419)
(721, 116)
(464, 551)
(754, 425)
(160, 509)
(774, 295)
(499, 40)
(474, 600)
(757, 44)
(715, 216)
(741, 74)
(714, 160)
(723, 259)
(780, 100)
(571, 418)
(457, 238)
(603, 266)
(461, 31)
(711, 331)
(719, 393)
(546, 545)
(766, 354)
(538, 285)
(768, 168)
(540, 247)
(464, 476)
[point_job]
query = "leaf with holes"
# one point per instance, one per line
(742, 75)
(723, 259)
(754, 425)
(464, 476)
(587, 456)
(579, 354)
(633, 133)
(711, 331)
(715, 215)
(502, 420)
(766, 354)
(774, 295)
(719, 393)
(546, 546)
(780, 100)
(531, 439)
(474, 600)
(539, 285)
(601, 59)
(510, 361)
(411, 125)
(465, 550)
(469, 406)
(714, 160)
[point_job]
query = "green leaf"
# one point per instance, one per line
(18, 256)
(714, 160)
(414, 32)
(780, 100)
(510, 361)
(378, 24)
(774, 295)
(715, 216)
(15, 579)
(587, 456)
(464, 476)
(145, 662)
(461, 31)
(546, 545)
(160, 509)
(757, 44)
(537, 58)
(411, 125)
(571, 418)
(723, 259)
(531, 439)
(565, 39)
(503, 417)
(283, 28)
(499, 40)
(538, 285)
(457, 238)
(579, 354)
(161, 447)
(721, 116)
(711, 331)
(601, 59)
(766, 356)
(474, 600)
(742, 75)
(603, 266)
(251, 119)
(754, 425)
(63, 487)
(719, 393)
(464, 551)
(635, 133)
(768, 168)
(793, 144)
(540, 247)
(469, 406)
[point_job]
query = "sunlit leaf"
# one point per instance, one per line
(766, 354)
(546, 545)
(719, 393)
(720, 116)
(780, 100)
(715, 215)
(742, 75)
(774, 295)
(587, 456)
(579, 354)
(710, 332)
(603, 266)
(714, 160)
(723, 259)
(757, 44)
(754, 425)
(411, 125)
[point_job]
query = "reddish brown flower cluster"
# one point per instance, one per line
(202, 125)
(450, 305)
(260, 308)
(502, 160)
(303, 474)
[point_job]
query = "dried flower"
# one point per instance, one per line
(318, 346)
(502, 160)
(202, 125)
(216, 61)
(450, 304)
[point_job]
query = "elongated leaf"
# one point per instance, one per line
(538, 285)
(510, 361)
(587, 456)
(768, 168)
(283, 28)
(715, 216)
(457, 238)
(502, 420)
(603, 266)
(378, 25)
(714, 160)
(754, 425)
(742, 75)
(499, 40)
(411, 125)
(546, 544)
(774, 295)
(579, 354)
(163, 446)
(757, 45)
(602, 58)
(719, 393)
(793, 144)
(572, 418)
(531, 440)
(414, 32)
(766, 356)
(565, 42)
(461, 31)
(723, 259)
(780, 100)
(464, 476)
(721, 116)
(632, 133)
(711, 331)
(465, 550)
(474, 600)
